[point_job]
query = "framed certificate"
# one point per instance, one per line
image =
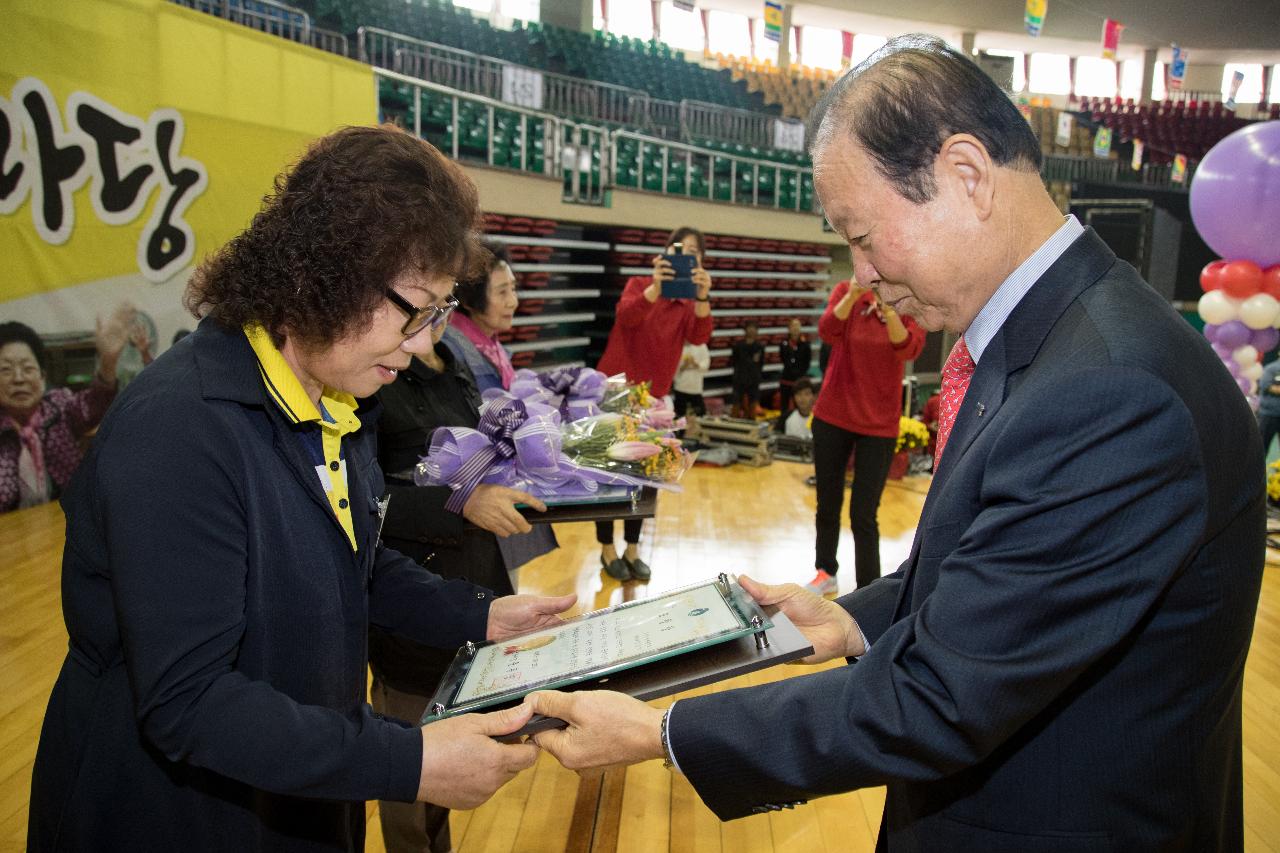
(594, 646)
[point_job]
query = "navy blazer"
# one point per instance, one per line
(213, 696)
(1058, 665)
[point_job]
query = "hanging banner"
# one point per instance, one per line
(522, 87)
(788, 135)
(1066, 121)
(1102, 142)
(1236, 79)
(683, 5)
(1136, 162)
(1111, 38)
(846, 47)
(773, 21)
(1177, 68)
(1034, 16)
(121, 169)
(1179, 174)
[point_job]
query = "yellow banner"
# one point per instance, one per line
(137, 136)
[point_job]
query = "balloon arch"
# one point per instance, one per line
(1235, 204)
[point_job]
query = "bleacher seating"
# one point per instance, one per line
(1167, 128)
(472, 128)
(649, 65)
(795, 91)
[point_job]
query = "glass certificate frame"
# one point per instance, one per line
(595, 645)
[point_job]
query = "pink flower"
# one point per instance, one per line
(631, 451)
(659, 418)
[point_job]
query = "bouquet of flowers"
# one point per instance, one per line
(576, 392)
(623, 397)
(521, 444)
(912, 435)
(621, 443)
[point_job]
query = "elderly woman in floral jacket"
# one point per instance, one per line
(41, 429)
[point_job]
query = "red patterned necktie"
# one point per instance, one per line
(956, 374)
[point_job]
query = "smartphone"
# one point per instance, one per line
(682, 286)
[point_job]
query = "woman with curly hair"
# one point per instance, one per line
(223, 562)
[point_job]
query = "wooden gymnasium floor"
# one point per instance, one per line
(752, 520)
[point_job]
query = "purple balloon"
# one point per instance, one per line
(1233, 368)
(1211, 332)
(1224, 352)
(1245, 383)
(1234, 334)
(1235, 195)
(1265, 340)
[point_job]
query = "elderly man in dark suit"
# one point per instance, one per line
(1058, 664)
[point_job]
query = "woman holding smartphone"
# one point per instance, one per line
(649, 333)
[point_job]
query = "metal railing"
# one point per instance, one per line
(273, 18)
(1098, 171)
(1058, 167)
(705, 161)
(1160, 175)
(584, 149)
(483, 75)
(574, 151)
(700, 120)
(664, 118)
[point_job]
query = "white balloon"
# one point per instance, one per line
(1253, 371)
(1245, 355)
(1259, 311)
(1218, 308)
(1253, 388)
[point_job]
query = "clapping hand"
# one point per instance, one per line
(110, 338)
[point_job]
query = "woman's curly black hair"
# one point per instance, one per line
(362, 206)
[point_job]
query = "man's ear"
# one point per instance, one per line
(964, 165)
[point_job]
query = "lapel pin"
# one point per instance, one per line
(981, 408)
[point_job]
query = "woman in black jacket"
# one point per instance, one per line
(223, 564)
(435, 390)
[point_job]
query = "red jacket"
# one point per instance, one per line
(647, 338)
(862, 388)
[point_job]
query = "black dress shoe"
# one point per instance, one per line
(639, 569)
(615, 568)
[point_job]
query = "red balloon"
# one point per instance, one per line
(1241, 279)
(1271, 281)
(1211, 276)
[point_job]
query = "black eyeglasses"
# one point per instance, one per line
(434, 316)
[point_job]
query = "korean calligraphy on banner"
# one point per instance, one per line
(125, 159)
